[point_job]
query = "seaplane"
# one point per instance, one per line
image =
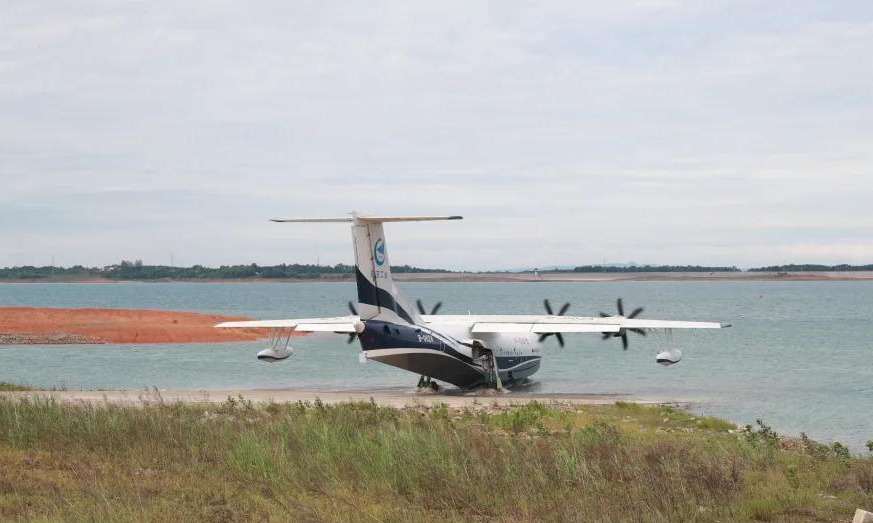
(468, 350)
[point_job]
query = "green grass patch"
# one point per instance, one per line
(13, 387)
(361, 462)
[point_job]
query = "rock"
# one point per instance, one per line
(862, 516)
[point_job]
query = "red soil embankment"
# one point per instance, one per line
(42, 325)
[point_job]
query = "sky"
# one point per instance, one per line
(566, 133)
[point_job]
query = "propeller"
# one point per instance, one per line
(433, 309)
(352, 335)
(622, 333)
(561, 312)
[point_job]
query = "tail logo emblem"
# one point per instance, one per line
(379, 252)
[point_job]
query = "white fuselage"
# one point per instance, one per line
(518, 354)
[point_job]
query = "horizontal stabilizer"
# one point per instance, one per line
(311, 220)
(367, 219)
(381, 219)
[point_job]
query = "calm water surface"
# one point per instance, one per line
(798, 355)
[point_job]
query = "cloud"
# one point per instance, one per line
(665, 131)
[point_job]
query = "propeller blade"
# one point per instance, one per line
(352, 335)
(420, 307)
(622, 333)
(548, 307)
(436, 308)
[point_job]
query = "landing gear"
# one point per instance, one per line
(498, 384)
(488, 360)
(489, 363)
(425, 382)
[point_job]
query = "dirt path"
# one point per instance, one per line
(388, 398)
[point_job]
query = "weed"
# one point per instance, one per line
(360, 462)
(715, 424)
(523, 418)
(815, 449)
(841, 451)
(273, 409)
(440, 411)
(13, 387)
(765, 434)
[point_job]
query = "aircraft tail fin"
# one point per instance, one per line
(378, 297)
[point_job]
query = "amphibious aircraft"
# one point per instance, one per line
(466, 350)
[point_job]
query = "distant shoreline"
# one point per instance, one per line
(525, 277)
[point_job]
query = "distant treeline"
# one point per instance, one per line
(652, 268)
(813, 268)
(701, 268)
(136, 270)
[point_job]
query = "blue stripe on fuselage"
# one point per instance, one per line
(508, 362)
(386, 335)
(377, 296)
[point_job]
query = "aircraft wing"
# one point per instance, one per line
(336, 324)
(667, 324)
(544, 323)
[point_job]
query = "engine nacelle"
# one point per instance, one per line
(274, 354)
(669, 357)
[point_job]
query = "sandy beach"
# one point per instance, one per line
(386, 398)
(47, 325)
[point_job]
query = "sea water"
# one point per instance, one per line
(799, 355)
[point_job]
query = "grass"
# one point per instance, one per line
(236, 462)
(13, 387)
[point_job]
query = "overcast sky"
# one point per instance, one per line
(722, 133)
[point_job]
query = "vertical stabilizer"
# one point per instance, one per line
(378, 298)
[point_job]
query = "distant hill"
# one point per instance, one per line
(810, 267)
(565, 268)
(136, 270)
(653, 268)
(704, 268)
